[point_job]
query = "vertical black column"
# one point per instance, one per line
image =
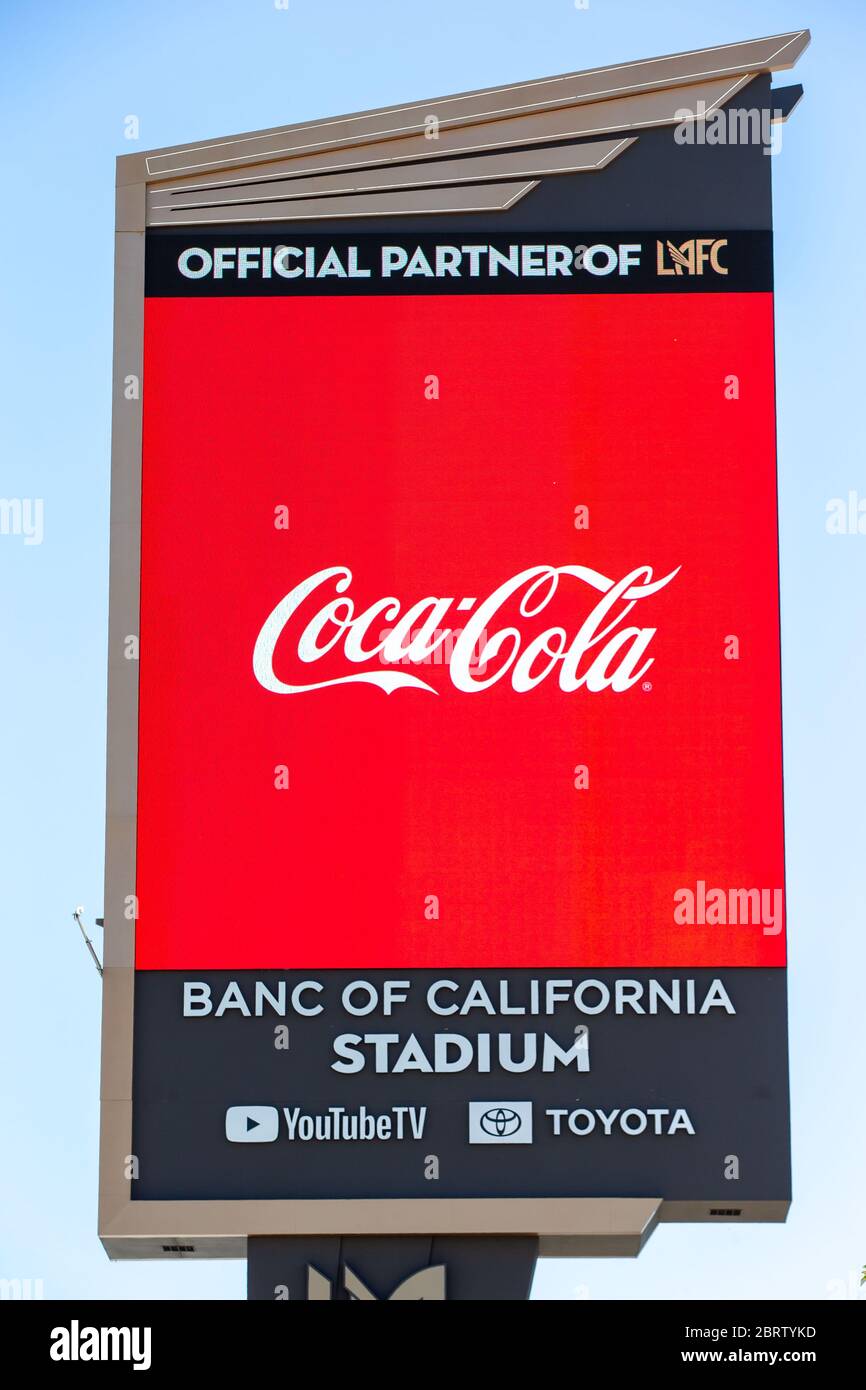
(390, 1268)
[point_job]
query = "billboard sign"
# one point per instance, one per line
(455, 830)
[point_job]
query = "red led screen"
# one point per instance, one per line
(590, 479)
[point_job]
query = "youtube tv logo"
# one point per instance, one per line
(252, 1124)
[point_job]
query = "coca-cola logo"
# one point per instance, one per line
(604, 653)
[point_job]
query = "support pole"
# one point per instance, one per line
(390, 1268)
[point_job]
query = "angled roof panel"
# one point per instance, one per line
(443, 155)
(622, 80)
(489, 197)
(166, 205)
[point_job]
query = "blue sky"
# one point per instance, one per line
(192, 70)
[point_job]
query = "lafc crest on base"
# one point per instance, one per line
(427, 1285)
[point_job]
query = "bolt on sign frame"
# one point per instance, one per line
(512, 913)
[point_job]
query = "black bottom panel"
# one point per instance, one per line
(647, 1084)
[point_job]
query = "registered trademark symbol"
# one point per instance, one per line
(647, 685)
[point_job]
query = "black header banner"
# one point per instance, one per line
(241, 262)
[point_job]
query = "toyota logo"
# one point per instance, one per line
(500, 1122)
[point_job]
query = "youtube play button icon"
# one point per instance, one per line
(252, 1124)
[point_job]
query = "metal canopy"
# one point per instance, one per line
(446, 154)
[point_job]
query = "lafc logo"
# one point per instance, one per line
(427, 1285)
(691, 257)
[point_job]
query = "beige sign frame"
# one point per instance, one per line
(373, 164)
